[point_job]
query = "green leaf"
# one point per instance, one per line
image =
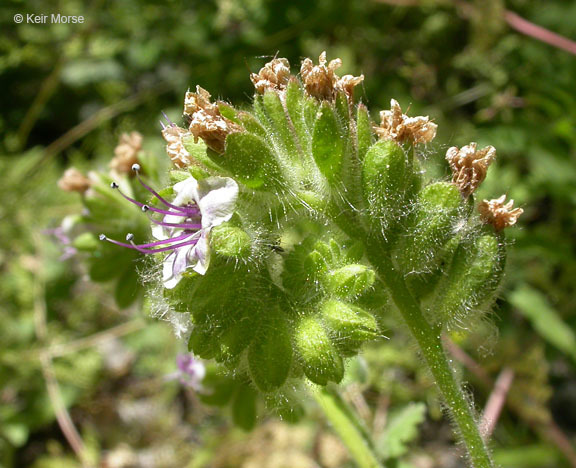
(327, 143)
(244, 408)
(545, 319)
(401, 430)
(282, 132)
(270, 355)
(251, 161)
(363, 131)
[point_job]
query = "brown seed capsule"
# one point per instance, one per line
(126, 153)
(273, 76)
(498, 214)
(469, 166)
(399, 127)
(74, 181)
(322, 82)
(175, 146)
(206, 122)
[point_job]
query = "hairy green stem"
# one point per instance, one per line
(348, 428)
(429, 341)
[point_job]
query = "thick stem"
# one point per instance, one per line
(348, 428)
(429, 341)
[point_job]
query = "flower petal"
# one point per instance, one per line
(216, 200)
(186, 192)
(174, 265)
(199, 257)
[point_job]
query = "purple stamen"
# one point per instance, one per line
(165, 241)
(172, 124)
(185, 210)
(189, 214)
(176, 225)
(136, 169)
(142, 248)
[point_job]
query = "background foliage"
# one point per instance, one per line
(69, 92)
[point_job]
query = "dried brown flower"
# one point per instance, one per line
(347, 84)
(274, 76)
(175, 146)
(322, 82)
(396, 126)
(498, 214)
(206, 122)
(74, 181)
(126, 153)
(469, 166)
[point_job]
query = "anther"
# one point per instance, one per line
(135, 167)
(114, 185)
(129, 237)
(102, 237)
(145, 208)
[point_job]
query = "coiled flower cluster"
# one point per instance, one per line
(290, 226)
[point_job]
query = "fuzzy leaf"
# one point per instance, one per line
(401, 430)
(270, 355)
(244, 408)
(327, 144)
(250, 160)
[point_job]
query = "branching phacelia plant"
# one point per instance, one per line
(290, 229)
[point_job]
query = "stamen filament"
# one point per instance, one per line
(192, 210)
(136, 169)
(176, 225)
(142, 248)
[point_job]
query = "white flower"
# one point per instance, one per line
(210, 201)
(184, 231)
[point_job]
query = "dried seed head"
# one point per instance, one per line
(396, 126)
(322, 82)
(206, 122)
(469, 166)
(175, 146)
(74, 181)
(274, 76)
(347, 84)
(498, 214)
(126, 152)
(200, 100)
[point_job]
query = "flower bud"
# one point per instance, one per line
(471, 280)
(433, 225)
(351, 280)
(350, 325)
(320, 359)
(230, 241)
(387, 184)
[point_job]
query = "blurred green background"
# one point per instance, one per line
(68, 351)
